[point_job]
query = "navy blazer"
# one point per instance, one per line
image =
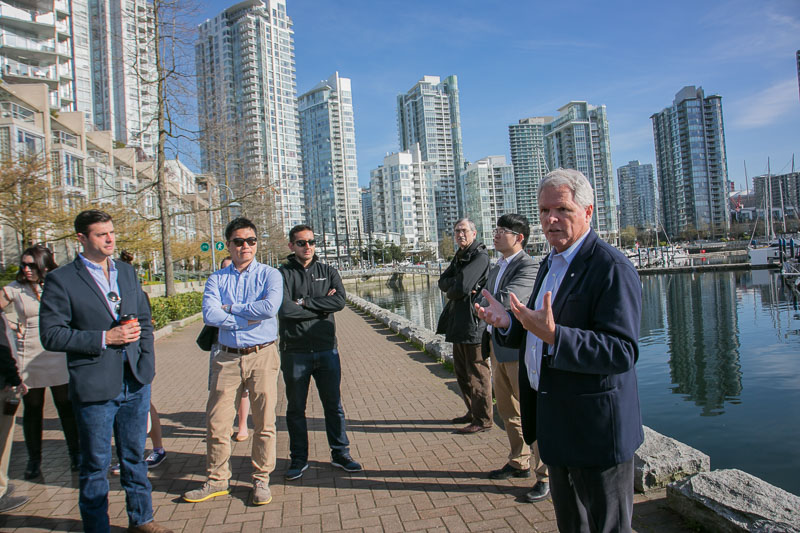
(72, 318)
(586, 412)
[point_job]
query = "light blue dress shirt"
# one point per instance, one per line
(255, 294)
(106, 286)
(559, 264)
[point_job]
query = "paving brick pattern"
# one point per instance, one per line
(418, 475)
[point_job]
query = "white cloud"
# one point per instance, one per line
(764, 107)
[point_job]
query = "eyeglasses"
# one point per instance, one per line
(301, 242)
(460, 231)
(32, 266)
(503, 231)
(251, 241)
(114, 298)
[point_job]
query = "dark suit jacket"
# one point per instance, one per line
(466, 273)
(586, 412)
(72, 317)
(519, 276)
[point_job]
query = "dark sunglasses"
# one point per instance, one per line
(114, 298)
(301, 242)
(32, 266)
(237, 242)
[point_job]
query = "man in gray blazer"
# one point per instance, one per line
(515, 273)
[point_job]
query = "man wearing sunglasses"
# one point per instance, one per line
(110, 364)
(242, 300)
(313, 291)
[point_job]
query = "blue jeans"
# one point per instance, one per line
(126, 415)
(325, 367)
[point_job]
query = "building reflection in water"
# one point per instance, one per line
(703, 339)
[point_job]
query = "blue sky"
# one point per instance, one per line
(521, 58)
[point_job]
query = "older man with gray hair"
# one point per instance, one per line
(462, 279)
(578, 338)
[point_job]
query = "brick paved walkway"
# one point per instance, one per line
(417, 475)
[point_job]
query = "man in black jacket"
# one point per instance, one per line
(312, 292)
(465, 276)
(9, 376)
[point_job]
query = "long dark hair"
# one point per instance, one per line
(43, 258)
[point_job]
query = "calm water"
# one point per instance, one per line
(719, 367)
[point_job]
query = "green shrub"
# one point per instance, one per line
(8, 275)
(183, 305)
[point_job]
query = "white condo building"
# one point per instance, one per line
(403, 198)
(330, 168)
(38, 44)
(92, 54)
(429, 115)
(488, 194)
(247, 107)
(123, 71)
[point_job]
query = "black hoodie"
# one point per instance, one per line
(309, 327)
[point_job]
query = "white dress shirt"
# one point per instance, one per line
(559, 263)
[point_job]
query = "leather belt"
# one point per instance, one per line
(244, 351)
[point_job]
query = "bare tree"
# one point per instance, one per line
(29, 203)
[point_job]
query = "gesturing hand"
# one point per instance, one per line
(494, 314)
(540, 322)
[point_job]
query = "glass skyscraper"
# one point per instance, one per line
(692, 166)
(527, 141)
(429, 115)
(637, 196)
(123, 71)
(329, 157)
(578, 138)
(247, 108)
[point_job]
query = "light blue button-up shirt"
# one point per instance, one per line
(559, 263)
(106, 286)
(254, 295)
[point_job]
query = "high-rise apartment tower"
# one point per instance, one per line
(489, 194)
(527, 141)
(247, 107)
(123, 71)
(39, 42)
(402, 198)
(329, 157)
(578, 139)
(428, 115)
(637, 196)
(692, 166)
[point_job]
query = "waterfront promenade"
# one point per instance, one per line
(417, 475)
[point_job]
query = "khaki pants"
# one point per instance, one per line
(505, 380)
(6, 439)
(230, 375)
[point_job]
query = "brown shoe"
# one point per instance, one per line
(150, 527)
(472, 428)
(462, 419)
